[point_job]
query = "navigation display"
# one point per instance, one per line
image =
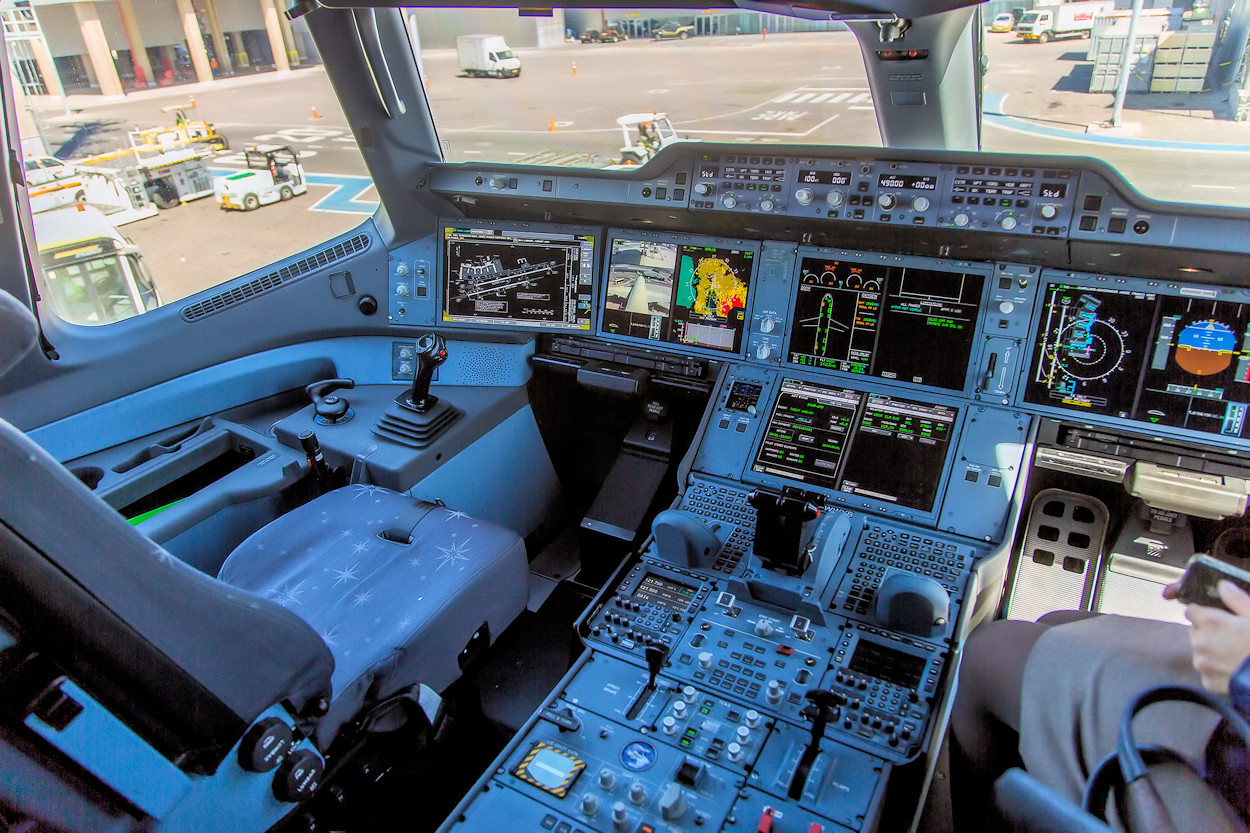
(1182, 361)
(879, 447)
(678, 293)
(517, 278)
(905, 323)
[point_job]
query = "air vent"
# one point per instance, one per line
(281, 277)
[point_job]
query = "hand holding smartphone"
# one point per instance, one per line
(1202, 576)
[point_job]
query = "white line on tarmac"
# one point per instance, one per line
(807, 132)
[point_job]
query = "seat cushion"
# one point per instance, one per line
(392, 613)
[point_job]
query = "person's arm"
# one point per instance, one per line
(1221, 640)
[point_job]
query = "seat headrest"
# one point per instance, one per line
(18, 331)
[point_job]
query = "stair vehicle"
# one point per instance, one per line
(273, 174)
(510, 492)
(1061, 20)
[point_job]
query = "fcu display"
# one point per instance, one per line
(864, 444)
(893, 322)
(678, 293)
(517, 278)
(1146, 356)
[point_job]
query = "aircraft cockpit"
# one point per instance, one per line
(561, 495)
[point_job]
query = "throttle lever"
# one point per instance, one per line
(820, 710)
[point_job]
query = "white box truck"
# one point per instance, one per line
(1061, 20)
(487, 55)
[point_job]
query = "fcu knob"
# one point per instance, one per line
(1048, 211)
(703, 189)
(1008, 222)
(887, 201)
(804, 196)
(766, 205)
(920, 204)
(729, 201)
(834, 199)
(961, 219)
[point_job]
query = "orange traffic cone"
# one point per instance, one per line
(575, 68)
(315, 114)
(194, 106)
(552, 129)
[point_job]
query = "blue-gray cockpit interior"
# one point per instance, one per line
(580, 500)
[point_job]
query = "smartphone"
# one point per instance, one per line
(1203, 574)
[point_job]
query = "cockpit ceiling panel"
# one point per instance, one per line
(834, 9)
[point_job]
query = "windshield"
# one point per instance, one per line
(757, 79)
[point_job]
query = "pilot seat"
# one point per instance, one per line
(141, 693)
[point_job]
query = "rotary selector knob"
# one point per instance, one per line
(401, 269)
(764, 628)
(679, 709)
(729, 201)
(672, 802)
(766, 205)
(688, 693)
(735, 752)
(767, 324)
(1008, 223)
(887, 201)
(620, 818)
(773, 695)
(705, 659)
(637, 793)
(703, 189)
(753, 718)
(1048, 211)
(402, 290)
(670, 725)
(590, 805)
(961, 219)
(920, 204)
(743, 736)
(763, 351)
(498, 183)
(607, 780)
(834, 198)
(405, 352)
(405, 368)
(804, 196)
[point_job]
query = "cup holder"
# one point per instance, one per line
(1233, 546)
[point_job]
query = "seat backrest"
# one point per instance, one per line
(186, 660)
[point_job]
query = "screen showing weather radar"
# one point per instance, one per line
(692, 293)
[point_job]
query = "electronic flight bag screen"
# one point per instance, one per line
(678, 292)
(906, 323)
(510, 277)
(864, 444)
(1162, 359)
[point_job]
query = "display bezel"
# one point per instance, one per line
(1163, 292)
(975, 343)
(614, 234)
(835, 495)
(589, 278)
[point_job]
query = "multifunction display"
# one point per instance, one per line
(873, 446)
(668, 594)
(894, 322)
(1177, 360)
(678, 293)
(517, 278)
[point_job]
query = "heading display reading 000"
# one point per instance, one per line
(517, 278)
(1162, 359)
(678, 293)
(905, 323)
(879, 447)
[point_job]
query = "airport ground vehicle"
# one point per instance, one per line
(485, 55)
(997, 369)
(54, 183)
(1061, 20)
(92, 273)
(273, 174)
(602, 36)
(643, 134)
(1002, 22)
(181, 129)
(673, 31)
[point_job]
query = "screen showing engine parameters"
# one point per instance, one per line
(541, 279)
(1163, 359)
(668, 594)
(865, 444)
(893, 322)
(899, 451)
(678, 293)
